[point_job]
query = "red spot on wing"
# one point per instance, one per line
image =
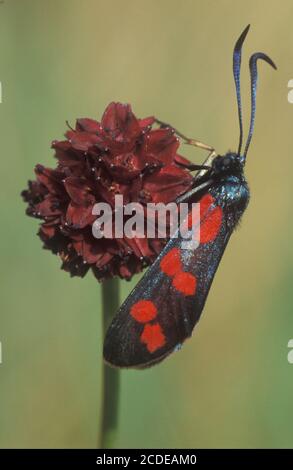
(143, 311)
(171, 262)
(205, 203)
(210, 219)
(211, 225)
(185, 283)
(153, 337)
(192, 220)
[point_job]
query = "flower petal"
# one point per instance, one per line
(78, 190)
(88, 125)
(146, 122)
(79, 216)
(82, 140)
(161, 143)
(168, 183)
(120, 120)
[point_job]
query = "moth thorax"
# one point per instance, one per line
(232, 194)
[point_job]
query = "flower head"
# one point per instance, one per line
(121, 155)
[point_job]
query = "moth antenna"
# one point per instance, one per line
(253, 83)
(236, 72)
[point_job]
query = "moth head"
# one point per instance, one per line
(231, 163)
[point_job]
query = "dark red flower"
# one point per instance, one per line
(98, 160)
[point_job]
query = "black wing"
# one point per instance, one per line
(163, 308)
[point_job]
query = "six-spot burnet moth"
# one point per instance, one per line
(162, 310)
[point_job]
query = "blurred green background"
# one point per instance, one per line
(231, 385)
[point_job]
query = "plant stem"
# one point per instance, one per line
(111, 378)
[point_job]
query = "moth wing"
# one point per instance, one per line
(162, 310)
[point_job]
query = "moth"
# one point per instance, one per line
(163, 308)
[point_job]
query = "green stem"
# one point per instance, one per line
(111, 378)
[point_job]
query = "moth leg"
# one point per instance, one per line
(186, 196)
(193, 166)
(204, 173)
(187, 140)
(206, 165)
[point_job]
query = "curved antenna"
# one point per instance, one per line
(253, 81)
(236, 73)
